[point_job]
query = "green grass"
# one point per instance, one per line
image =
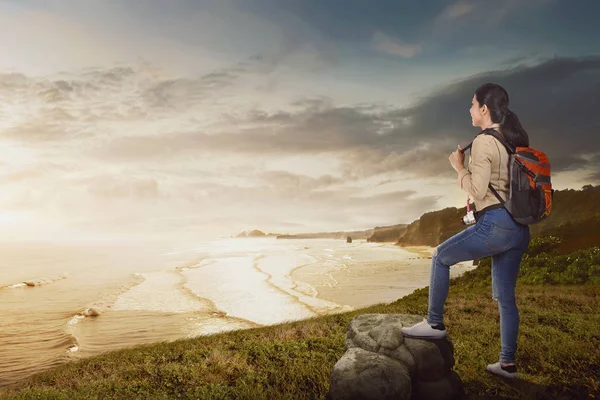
(558, 352)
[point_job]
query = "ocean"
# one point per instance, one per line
(62, 302)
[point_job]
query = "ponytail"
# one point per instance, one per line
(513, 131)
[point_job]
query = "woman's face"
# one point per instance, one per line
(475, 110)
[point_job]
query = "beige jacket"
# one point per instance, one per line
(488, 163)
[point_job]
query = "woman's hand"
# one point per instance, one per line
(457, 159)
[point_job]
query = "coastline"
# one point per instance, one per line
(423, 251)
(348, 283)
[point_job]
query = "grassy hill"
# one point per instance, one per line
(571, 205)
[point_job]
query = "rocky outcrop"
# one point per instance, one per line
(387, 233)
(255, 233)
(570, 207)
(90, 312)
(380, 363)
(433, 227)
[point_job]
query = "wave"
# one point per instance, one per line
(302, 292)
(16, 285)
(211, 308)
(37, 281)
(102, 305)
(26, 352)
(193, 264)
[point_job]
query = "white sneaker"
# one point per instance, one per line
(423, 330)
(506, 372)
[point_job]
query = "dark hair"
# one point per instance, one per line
(495, 97)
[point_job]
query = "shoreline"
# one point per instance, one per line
(349, 285)
(421, 250)
(424, 251)
(369, 282)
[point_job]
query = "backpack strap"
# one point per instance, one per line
(494, 133)
(501, 139)
(496, 194)
(509, 148)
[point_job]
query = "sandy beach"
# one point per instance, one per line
(361, 283)
(423, 251)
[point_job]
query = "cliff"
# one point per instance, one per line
(577, 211)
(433, 227)
(387, 233)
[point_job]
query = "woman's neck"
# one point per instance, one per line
(491, 125)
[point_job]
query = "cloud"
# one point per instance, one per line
(131, 140)
(60, 42)
(594, 177)
(34, 172)
(206, 113)
(184, 38)
(457, 9)
(385, 44)
(487, 12)
(88, 104)
(552, 100)
(458, 25)
(294, 184)
(555, 100)
(113, 187)
(593, 165)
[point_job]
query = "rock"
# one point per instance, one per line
(380, 363)
(361, 374)
(386, 330)
(446, 348)
(388, 336)
(428, 357)
(219, 313)
(91, 312)
(403, 355)
(439, 390)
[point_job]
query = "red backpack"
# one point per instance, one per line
(530, 190)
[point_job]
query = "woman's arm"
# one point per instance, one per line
(476, 181)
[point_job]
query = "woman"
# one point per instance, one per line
(495, 234)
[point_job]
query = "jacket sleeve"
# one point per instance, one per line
(476, 178)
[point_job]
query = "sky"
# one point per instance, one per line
(181, 119)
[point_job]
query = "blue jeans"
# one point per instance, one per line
(496, 234)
